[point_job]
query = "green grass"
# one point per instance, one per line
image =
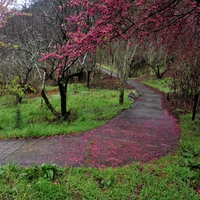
(89, 109)
(172, 177)
(161, 84)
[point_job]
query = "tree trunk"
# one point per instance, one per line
(159, 75)
(63, 100)
(121, 95)
(48, 104)
(123, 79)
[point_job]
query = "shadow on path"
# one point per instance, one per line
(143, 133)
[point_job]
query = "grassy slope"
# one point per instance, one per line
(161, 84)
(84, 107)
(172, 177)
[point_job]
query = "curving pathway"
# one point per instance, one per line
(141, 134)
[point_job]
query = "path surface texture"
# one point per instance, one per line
(140, 134)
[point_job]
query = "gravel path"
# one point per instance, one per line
(141, 134)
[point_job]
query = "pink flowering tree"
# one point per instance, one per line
(172, 25)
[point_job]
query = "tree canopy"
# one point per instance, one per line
(172, 24)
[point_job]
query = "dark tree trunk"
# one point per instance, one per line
(48, 104)
(159, 75)
(63, 100)
(121, 95)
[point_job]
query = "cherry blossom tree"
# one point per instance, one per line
(51, 28)
(173, 25)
